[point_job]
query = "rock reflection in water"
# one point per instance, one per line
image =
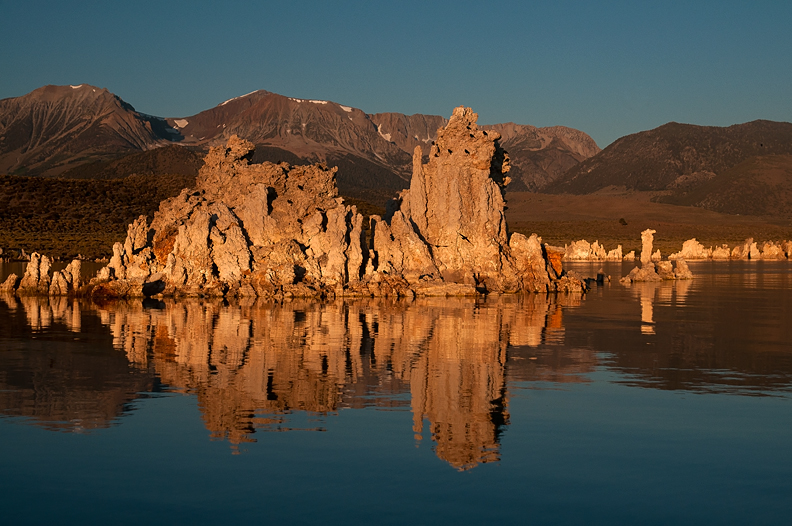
(666, 293)
(251, 365)
(721, 332)
(54, 375)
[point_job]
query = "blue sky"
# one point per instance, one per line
(607, 68)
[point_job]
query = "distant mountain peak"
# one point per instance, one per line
(54, 128)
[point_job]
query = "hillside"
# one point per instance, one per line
(54, 128)
(673, 156)
(760, 186)
(170, 159)
(539, 156)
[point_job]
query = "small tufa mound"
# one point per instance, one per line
(583, 251)
(653, 268)
(37, 280)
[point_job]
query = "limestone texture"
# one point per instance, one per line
(10, 284)
(647, 238)
(692, 249)
(771, 250)
(36, 280)
(68, 281)
(721, 252)
(747, 250)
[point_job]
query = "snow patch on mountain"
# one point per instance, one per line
(235, 98)
(386, 136)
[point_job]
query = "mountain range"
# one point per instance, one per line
(84, 132)
(56, 127)
(80, 131)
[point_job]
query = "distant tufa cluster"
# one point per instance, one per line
(691, 249)
(275, 230)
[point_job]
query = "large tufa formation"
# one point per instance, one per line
(274, 230)
(245, 229)
(449, 228)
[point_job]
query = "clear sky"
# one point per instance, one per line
(607, 68)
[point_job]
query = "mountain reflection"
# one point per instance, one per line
(250, 365)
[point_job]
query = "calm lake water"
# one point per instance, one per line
(650, 404)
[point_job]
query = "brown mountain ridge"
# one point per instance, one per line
(673, 156)
(739, 169)
(55, 128)
(59, 130)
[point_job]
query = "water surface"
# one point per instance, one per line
(655, 403)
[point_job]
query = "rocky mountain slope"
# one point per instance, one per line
(674, 156)
(54, 128)
(539, 156)
(300, 131)
(344, 136)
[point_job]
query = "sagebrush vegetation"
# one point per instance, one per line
(67, 217)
